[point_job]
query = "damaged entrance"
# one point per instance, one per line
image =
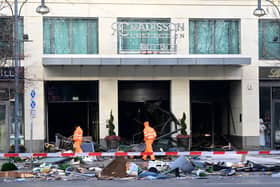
(71, 103)
(211, 114)
(140, 101)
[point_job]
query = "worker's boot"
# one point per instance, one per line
(144, 157)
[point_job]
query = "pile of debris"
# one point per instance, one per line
(92, 168)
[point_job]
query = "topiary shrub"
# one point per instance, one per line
(111, 125)
(183, 125)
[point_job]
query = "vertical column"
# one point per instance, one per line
(250, 84)
(180, 99)
(107, 37)
(33, 72)
(181, 35)
(108, 100)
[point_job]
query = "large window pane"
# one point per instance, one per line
(70, 36)
(214, 36)
(269, 39)
(7, 39)
(61, 36)
(79, 38)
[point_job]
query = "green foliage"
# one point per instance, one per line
(78, 159)
(183, 125)
(63, 166)
(8, 166)
(111, 125)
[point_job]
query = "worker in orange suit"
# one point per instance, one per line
(78, 139)
(149, 137)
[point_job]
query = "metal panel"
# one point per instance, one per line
(210, 61)
(237, 61)
(135, 61)
(86, 61)
(57, 61)
(110, 61)
(141, 60)
(163, 61)
(187, 61)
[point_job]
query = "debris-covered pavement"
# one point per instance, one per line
(122, 167)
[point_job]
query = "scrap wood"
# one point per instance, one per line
(16, 174)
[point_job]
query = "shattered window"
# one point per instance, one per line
(269, 39)
(214, 36)
(70, 36)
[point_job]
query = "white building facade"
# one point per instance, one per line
(88, 58)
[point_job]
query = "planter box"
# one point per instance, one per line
(184, 142)
(112, 141)
(112, 144)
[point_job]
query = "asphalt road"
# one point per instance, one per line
(255, 181)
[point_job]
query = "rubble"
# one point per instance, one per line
(123, 168)
(117, 168)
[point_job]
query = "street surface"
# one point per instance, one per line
(256, 181)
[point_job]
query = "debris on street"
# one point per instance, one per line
(127, 168)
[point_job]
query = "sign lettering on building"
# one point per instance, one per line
(9, 72)
(269, 72)
(155, 37)
(274, 73)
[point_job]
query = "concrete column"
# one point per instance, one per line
(250, 113)
(108, 100)
(107, 37)
(250, 84)
(33, 71)
(180, 99)
(182, 36)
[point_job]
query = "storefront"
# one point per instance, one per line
(72, 103)
(7, 101)
(270, 104)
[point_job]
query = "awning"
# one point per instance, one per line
(160, 60)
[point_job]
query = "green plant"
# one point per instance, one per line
(111, 125)
(183, 124)
(8, 166)
(63, 166)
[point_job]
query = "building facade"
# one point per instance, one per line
(88, 58)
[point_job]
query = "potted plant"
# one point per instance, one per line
(183, 137)
(112, 140)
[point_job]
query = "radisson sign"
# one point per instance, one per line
(148, 37)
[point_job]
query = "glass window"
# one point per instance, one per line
(70, 36)
(265, 100)
(214, 36)
(150, 36)
(6, 37)
(269, 39)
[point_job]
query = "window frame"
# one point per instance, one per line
(212, 22)
(20, 38)
(52, 44)
(261, 35)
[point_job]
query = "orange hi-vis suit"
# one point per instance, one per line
(149, 137)
(78, 139)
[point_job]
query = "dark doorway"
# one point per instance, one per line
(209, 113)
(71, 104)
(141, 101)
